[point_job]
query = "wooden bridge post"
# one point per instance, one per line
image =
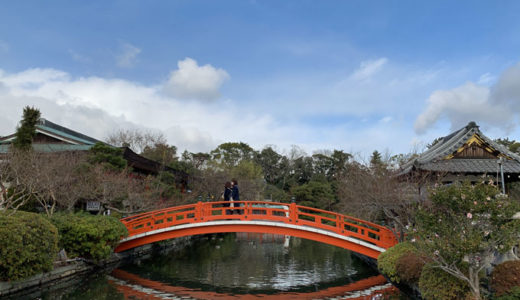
(340, 224)
(293, 213)
(199, 217)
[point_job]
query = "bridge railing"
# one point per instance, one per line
(261, 211)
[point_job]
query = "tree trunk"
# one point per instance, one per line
(474, 284)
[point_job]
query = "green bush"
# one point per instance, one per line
(88, 236)
(409, 267)
(387, 261)
(513, 294)
(29, 244)
(505, 276)
(435, 283)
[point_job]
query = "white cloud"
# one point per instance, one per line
(368, 68)
(97, 106)
(128, 55)
(496, 106)
(191, 81)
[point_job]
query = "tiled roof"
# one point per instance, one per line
(4, 148)
(64, 132)
(471, 165)
(434, 159)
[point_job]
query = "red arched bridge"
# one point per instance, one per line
(261, 217)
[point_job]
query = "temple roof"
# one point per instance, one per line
(65, 138)
(446, 154)
(51, 137)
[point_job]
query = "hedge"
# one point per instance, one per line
(513, 294)
(88, 236)
(436, 284)
(29, 244)
(409, 267)
(387, 261)
(505, 276)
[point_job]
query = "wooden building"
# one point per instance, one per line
(51, 137)
(466, 154)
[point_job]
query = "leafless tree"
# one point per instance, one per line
(378, 194)
(14, 193)
(57, 179)
(136, 139)
(61, 180)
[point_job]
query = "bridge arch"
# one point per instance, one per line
(258, 217)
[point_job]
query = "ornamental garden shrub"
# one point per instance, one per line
(513, 294)
(465, 223)
(504, 277)
(436, 284)
(387, 261)
(88, 236)
(409, 267)
(28, 245)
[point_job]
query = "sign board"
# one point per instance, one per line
(93, 205)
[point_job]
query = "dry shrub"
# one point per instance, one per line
(505, 276)
(409, 267)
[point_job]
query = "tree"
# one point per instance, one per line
(376, 160)
(464, 226)
(109, 156)
(136, 139)
(275, 166)
(340, 162)
(197, 160)
(53, 180)
(512, 145)
(163, 153)
(330, 165)
(301, 171)
(251, 179)
(228, 155)
(27, 129)
(315, 194)
(14, 193)
(377, 196)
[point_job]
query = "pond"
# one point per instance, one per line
(239, 266)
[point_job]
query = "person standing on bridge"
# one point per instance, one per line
(235, 195)
(227, 197)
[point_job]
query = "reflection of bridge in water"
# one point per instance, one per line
(260, 217)
(134, 287)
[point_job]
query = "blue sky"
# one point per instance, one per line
(350, 75)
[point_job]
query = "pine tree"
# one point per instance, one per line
(376, 159)
(27, 129)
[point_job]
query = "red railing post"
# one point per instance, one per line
(198, 211)
(293, 213)
(339, 223)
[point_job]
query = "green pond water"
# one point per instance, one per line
(237, 266)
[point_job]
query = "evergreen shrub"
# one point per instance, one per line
(88, 236)
(387, 261)
(513, 294)
(436, 284)
(28, 245)
(409, 267)
(505, 276)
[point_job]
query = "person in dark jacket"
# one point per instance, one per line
(227, 197)
(235, 195)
